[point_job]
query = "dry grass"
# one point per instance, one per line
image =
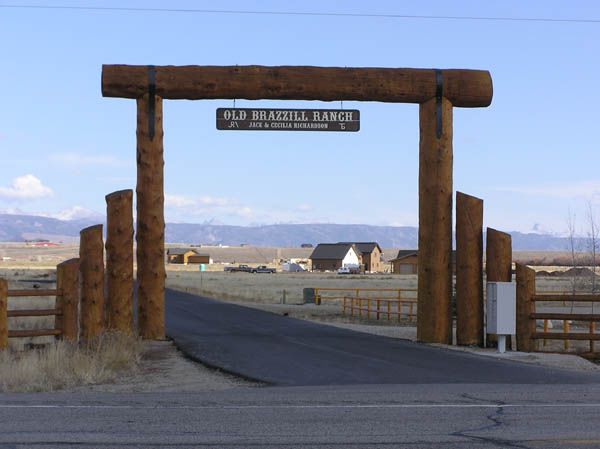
(64, 365)
(268, 288)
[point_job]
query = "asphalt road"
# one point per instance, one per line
(391, 394)
(383, 416)
(285, 351)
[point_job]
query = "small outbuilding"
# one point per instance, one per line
(406, 262)
(331, 256)
(186, 256)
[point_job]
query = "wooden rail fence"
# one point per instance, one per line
(528, 316)
(59, 311)
(380, 308)
(377, 302)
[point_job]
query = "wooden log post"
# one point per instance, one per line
(469, 270)
(434, 317)
(525, 306)
(67, 300)
(150, 219)
(498, 267)
(3, 314)
(119, 261)
(91, 268)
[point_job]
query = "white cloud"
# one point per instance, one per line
(74, 159)
(76, 213)
(26, 187)
(178, 201)
(244, 212)
(206, 207)
(581, 189)
(304, 207)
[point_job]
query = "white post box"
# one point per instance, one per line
(501, 310)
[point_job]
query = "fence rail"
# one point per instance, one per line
(565, 297)
(341, 293)
(392, 307)
(32, 292)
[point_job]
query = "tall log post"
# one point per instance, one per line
(67, 284)
(119, 261)
(498, 267)
(525, 306)
(469, 270)
(91, 268)
(434, 318)
(150, 219)
(3, 314)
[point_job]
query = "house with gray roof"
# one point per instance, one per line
(371, 256)
(331, 256)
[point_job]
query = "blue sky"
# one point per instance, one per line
(533, 155)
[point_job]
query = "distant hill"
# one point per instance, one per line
(15, 228)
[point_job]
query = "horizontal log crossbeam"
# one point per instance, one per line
(463, 88)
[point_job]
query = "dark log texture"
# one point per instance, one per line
(91, 268)
(119, 261)
(67, 300)
(469, 270)
(434, 317)
(3, 314)
(463, 88)
(150, 233)
(498, 267)
(526, 307)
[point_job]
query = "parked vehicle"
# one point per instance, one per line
(239, 269)
(263, 269)
(348, 270)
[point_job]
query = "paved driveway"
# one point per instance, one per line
(285, 351)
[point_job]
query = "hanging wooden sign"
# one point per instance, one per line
(250, 119)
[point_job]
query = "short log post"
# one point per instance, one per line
(3, 314)
(469, 270)
(525, 306)
(67, 284)
(150, 233)
(91, 266)
(498, 267)
(119, 261)
(434, 317)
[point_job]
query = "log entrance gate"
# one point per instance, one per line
(436, 92)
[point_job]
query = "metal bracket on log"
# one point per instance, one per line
(439, 93)
(151, 100)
